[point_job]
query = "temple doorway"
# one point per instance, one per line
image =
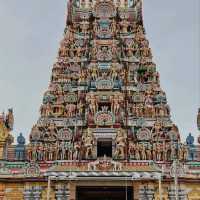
(104, 193)
(104, 147)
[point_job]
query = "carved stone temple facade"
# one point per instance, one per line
(105, 130)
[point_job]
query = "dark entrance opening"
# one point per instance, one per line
(104, 193)
(104, 147)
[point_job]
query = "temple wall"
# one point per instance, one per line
(15, 191)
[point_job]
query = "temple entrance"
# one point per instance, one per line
(104, 193)
(104, 147)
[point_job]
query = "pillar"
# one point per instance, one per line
(135, 190)
(2, 191)
(72, 190)
(32, 192)
(146, 192)
(62, 192)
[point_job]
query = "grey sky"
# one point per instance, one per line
(30, 32)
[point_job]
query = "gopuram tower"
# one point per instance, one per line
(104, 99)
(105, 130)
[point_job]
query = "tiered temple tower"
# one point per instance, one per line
(104, 97)
(105, 129)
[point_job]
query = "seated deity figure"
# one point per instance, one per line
(71, 110)
(120, 141)
(52, 130)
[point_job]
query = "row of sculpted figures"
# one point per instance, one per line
(135, 47)
(146, 144)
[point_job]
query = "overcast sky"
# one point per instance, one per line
(30, 32)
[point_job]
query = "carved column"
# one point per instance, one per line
(59, 192)
(146, 193)
(32, 192)
(62, 192)
(27, 194)
(181, 194)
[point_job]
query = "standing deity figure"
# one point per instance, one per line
(94, 50)
(40, 151)
(159, 152)
(120, 141)
(148, 153)
(113, 72)
(173, 151)
(77, 149)
(70, 33)
(166, 151)
(92, 100)
(34, 152)
(80, 108)
(47, 109)
(131, 150)
(114, 50)
(82, 77)
(95, 27)
(94, 73)
(45, 149)
(79, 52)
(88, 143)
(51, 150)
(143, 152)
(115, 103)
(62, 150)
(154, 151)
(137, 152)
(149, 108)
(113, 26)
